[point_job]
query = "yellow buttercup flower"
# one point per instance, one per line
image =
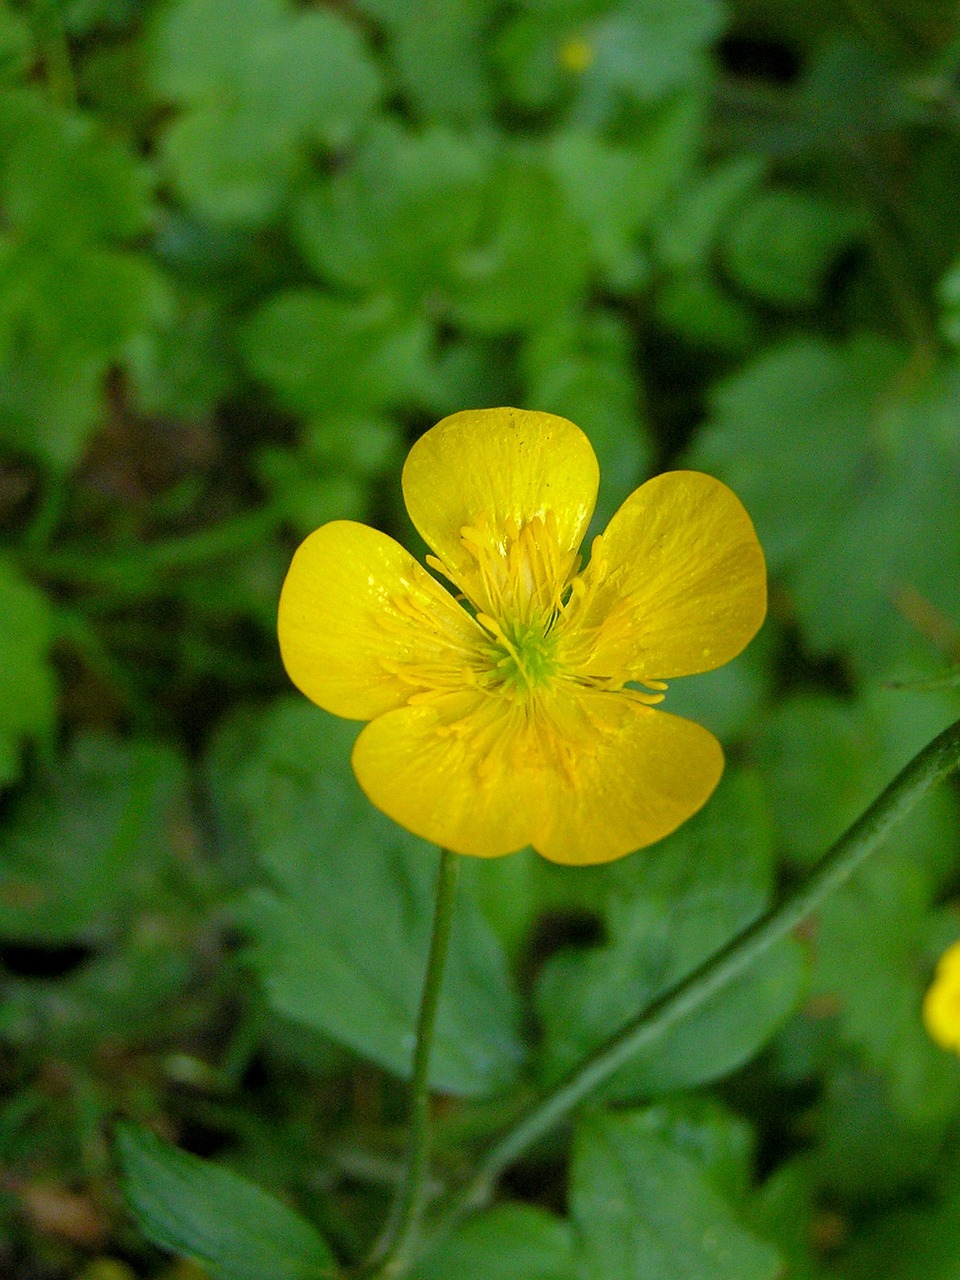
(516, 707)
(941, 1005)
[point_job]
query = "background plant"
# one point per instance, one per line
(248, 251)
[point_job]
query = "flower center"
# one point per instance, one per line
(523, 654)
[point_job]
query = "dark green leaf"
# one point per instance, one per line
(645, 1210)
(678, 904)
(510, 1242)
(200, 1211)
(341, 937)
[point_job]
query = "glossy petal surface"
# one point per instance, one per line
(682, 573)
(597, 777)
(363, 627)
(639, 774)
(444, 771)
(499, 467)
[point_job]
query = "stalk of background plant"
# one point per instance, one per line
(398, 1253)
(392, 1254)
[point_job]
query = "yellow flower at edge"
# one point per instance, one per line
(516, 706)
(941, 1004)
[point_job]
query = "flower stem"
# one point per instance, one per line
(390, 1256)
(924, 771)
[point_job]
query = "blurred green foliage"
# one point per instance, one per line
(249, 250)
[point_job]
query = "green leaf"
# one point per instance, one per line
(66, 316)
(862, 578)
(63, 178)
(615, 189)
(225, 168)
(691, 225)
(673, 907)
(341, 936)
(16, 45)
(84, 841)
(705, 314)
(125, 994)
(200, 1211)
(783, 1213)
(948, 295)
(177, 364)
(825, 759)
(798, 481)
(645, 1210)
(871, 585)
(27, 681)
(398, 217)
(583, 368)
(531, 257)
(510, 1242)
(865, 1150)
(326, 356)
(647, 49)
(259, 82)
(439, 48)
(717, 1140)
(599, 54)
(781, 245)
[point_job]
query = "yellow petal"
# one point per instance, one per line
(362, 626)
(494, 467)
(941, 1004)
(639, 774)
(440, 769)
(682, 582)
(600, 776)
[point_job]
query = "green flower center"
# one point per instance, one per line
(524, 655)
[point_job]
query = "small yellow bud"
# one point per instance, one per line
(577, 54)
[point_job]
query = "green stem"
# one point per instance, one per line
(933, 763)
(50, 507)
(391, 1255)
(56, 53)
(137, 569)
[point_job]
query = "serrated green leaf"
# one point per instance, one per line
(201, 1211)
(825, 759)
(16, 44)
(687, 233)
(66, 316)
(341, 935)
(719, 1142)
(677, 905)
(648, 49)
(599, 54)
(789, 432)
(645, 1210)
(177, 365)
